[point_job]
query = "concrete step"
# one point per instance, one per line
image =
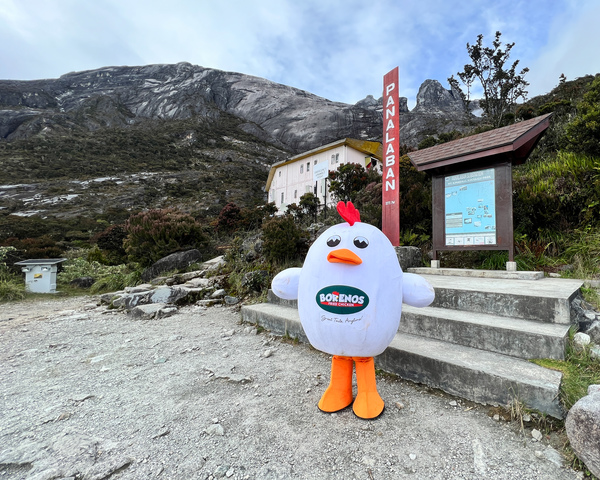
(477, 273)
(479, 376)
(546, 300)
(279, 319)
(515, 337)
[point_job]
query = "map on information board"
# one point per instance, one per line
(470, 208)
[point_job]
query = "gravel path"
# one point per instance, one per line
(88, 393)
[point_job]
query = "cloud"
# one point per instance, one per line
(572, 48)
(338, 49)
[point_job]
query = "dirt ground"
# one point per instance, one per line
(89, 393)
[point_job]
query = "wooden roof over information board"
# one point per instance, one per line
(513, 143)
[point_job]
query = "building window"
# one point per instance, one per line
(337, 158)
(301, 168)
(308, 188)
(308, 167)
(315, 162)
(280, 173)
(332, 159)
(282, 198)
(295, 193)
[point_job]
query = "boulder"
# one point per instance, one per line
(231, 300)
(108, 298)
(150, 311)
(175, 261)
(594, 331)
(218, 293)
(252, 247)
(583, 429)
(167, 294)
(144, 287)
(581, 341)
(214, 263)
(130, 300)
(583, 314)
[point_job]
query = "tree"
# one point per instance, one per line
(502, 86)
(309, 204)
(349, 179)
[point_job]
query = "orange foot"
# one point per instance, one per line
(368, 403)
(339, 392)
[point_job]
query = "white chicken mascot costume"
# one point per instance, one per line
(350, 293)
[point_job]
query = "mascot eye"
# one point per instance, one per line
(361, 242)
(333, 241)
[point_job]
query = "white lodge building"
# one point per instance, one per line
(307, 172)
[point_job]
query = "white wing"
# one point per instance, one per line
(416, 291)
(285, 283)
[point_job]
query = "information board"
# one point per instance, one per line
(320, 171)
(470, 208)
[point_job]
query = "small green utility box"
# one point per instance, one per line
(40, 274)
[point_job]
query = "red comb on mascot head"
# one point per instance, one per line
(350, 292)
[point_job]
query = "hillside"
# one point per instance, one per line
(174, 135)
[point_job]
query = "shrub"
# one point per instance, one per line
(283, 239)
(41, 247)
(107, 277)
(229, 218)
(415, 198)
(11, 288)
(584, 131)
(252, 218)
(110, 242)
(154, 234)
(560, 193)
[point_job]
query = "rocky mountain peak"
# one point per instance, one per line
(433, 97)
(286, 117)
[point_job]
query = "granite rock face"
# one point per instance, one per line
(583, 429)
(281, 115)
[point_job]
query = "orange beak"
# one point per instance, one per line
(343, 255)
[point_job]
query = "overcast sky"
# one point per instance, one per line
(338, 49)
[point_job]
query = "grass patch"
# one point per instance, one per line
(579, 371)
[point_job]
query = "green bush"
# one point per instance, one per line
(154, 234)
(110, 242)
(11, 286)
(252, 218)
(584, 131)
(117, 280)
(107, 277)
(11, 290)
(283, 239)
(415, 198)
(561, 193)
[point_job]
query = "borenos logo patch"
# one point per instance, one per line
(342, 299)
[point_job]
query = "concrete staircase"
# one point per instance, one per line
(475, 340)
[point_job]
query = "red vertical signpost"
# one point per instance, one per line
(390, 212)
